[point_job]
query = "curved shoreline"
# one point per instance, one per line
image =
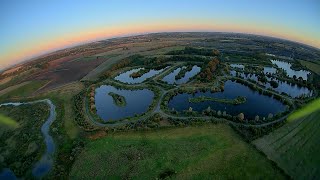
(44, 165)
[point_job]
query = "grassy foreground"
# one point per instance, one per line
(214, 151)
(295, 147)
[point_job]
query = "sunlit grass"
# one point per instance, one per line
(306, 110)
(6, 121)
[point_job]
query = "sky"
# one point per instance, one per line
(34, 27)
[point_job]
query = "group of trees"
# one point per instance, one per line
(78, 110)
(91, 99)
(208, 72)
(195, 51)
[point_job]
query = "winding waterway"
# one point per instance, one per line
(44, 165)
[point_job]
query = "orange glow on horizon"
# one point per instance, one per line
(88, 35)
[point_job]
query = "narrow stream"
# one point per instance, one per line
(44, 165)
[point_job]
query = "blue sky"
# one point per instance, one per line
(26, 26)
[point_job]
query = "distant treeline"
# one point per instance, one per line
(195, 51)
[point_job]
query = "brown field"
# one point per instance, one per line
(5, 80)
(64, 70)
(11, 70)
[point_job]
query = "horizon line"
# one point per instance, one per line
(48, 52)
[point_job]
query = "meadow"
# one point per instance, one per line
(213, 151)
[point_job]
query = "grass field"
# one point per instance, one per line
(295, 147)
(21, 90)
(213, 151)
(312, 66)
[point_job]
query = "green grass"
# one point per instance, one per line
(213, 151)
(7, 121)
(295, 147)
(312, 66)
(306, 110)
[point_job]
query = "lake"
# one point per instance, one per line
(137, 102)
(291, 89)
(290, 72)
(256, 104)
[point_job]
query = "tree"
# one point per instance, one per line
(216, 52)
(241, 116)
(294, 77)
(274, 84)
(219, 113)
(224, 113)
(92, 107)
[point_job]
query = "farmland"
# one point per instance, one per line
(295, 147)
(207, 151)
(22, 90)
(315, 67)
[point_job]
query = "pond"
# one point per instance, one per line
(137, 102)
(170, 78)
(270, 70)
(240, 66)
(290, 72)
(291, 89)
(256, 104)
(125, 77)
